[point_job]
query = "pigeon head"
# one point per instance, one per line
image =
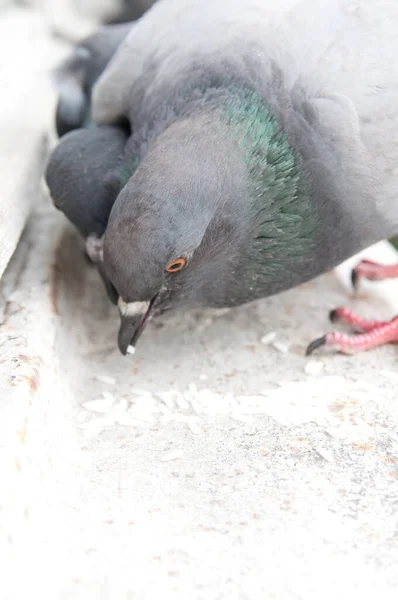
(203, 217)
(170, 228)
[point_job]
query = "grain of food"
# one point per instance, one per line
(313, 367)
(281, 347)
(173, 455)
(268, 337)
(100, 406)
(325, 454)
(194, 428)
(106, 379)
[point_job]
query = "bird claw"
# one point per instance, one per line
(373, 333)
(315, 345)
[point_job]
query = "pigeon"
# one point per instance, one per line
(83, 180)
(131, 10)
(76, 76)
(83, 174)
(263, 152)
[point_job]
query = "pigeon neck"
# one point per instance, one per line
(283, 216)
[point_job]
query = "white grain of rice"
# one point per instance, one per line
(252, 410)
(192, 389)
(389, 374)
(100, 406)
(182, 403)
(281, 347)
(141, 393)
(268, 337)
(194, 428)
(141, 416)
(117, 410)
(203, 377)
(130, 350)
(90, 433)
(220, 312)
(129, 421)
(167, 398)
(325, 454)
(173, 455)
(196, 407)
(204, 325)
(81, 417)
(242, 418)
(313, 367)
(165, 410)
(180, 418)
(96, 424)
(255, 400)
(108, 396)
(106, 379)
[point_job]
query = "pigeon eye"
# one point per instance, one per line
(177, 265)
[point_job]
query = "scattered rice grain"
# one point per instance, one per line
(127, 420)
(182, 403)
(179, 418)
(141, 393)
(220, 312)
(389, 374)
(130, 350)
(325, 454)
(281, 347)
(268, 337)
(141, 416)
(81, 417)
(106, 379)
(194, 427)
(108, 396)
(167, 398)
(242, 418)
(100, 406)
(118, 409)
(165, 410)
(97, 424)
(313, 367)
(173, 455)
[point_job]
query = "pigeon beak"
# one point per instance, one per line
(134, 317)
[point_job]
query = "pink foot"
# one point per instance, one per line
(375, 333)
(373, 271)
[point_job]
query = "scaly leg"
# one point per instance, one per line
(373, 271)
(373, 333)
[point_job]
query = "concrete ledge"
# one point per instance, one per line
(282, 471)
(217, 462)
(27, 109)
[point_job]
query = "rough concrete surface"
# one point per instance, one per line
(217, 463)
(26, 114)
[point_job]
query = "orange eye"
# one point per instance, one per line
(177, 265)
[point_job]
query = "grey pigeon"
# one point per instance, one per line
(83, 178)
(76, 76)
(83, 173)
(263, 149)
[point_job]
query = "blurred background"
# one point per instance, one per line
(105, 10)
(75, 18)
